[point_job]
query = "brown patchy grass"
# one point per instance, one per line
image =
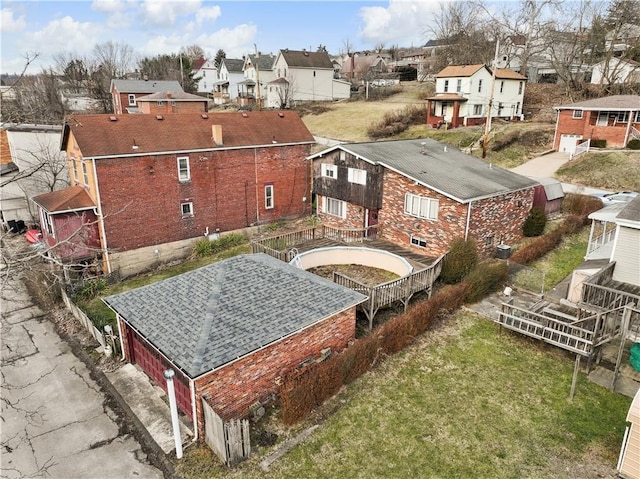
(611, 170)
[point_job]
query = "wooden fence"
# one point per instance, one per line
(230, 440)
(84, 319)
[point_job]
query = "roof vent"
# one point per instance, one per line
(244, 115)
(159, 117)
(204, 116)
(280, 114)
(113, 118)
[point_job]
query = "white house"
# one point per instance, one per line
(463, 93)
(206, 73)
(230, 75)
(304, 76)
(615, 70)
(32, 164)
(258, 72)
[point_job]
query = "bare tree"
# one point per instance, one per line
(35, 99)
(284, 93)
(193, 51)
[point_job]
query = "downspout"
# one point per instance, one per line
(255, 162)
(466, 229)
(101, 216)
(194, 409)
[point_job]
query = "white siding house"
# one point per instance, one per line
(206, 73)
(230, 76)
(615, 70)
(463, 93)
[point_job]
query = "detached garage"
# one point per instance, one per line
(232, 330)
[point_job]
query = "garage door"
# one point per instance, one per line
(154, 364)
(568, 143)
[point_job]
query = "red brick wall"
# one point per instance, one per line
(234, 388)
(141, 197)
(354, 217)
(152, 108)
(567, 125)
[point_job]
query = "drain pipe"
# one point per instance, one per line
(168, 375)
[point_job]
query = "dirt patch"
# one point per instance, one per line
(364, 274)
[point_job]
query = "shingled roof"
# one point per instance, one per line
(442, 168)
(206, 318)
(607, 103)
(146, 86)
(171, 96)
(100, 136)
(305, 59)
(73, 198)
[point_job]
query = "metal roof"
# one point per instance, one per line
(206, 318)
(440, 167)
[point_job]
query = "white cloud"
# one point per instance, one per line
(63, 34)
(119, 12)
(402, 22)
(235, 41)
(11, 24)
(165, 13)
(207, 14)
(108, 6)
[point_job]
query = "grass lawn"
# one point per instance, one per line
(610, 170)
(464, 402)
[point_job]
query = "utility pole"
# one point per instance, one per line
(258, 77)
(487, 123)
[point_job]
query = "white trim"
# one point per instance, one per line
(190, 213)
(415, 204)
(342, 206)
(269, 197)
(357, 176)
(188, 178)
(328, 170)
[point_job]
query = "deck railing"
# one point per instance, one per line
(635, 133)
(601, 240)
(580, 149)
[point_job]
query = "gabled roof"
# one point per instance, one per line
(206, 318)
(609, 103)
(305, 59)
(506, 74)
(145, 86)
(233, 65)
(73, 198)
(170, 96)
(100, 136)
(198, 62)
(265, 61)
(552, 188)
(442, 168)
(459, 71)
(631, 211)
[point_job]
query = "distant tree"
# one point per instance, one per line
(72, 70)
(347, 47)
(284, 93)
(171, 67)
(115, 59)
(379, 48)
(35, 99)
(322, 48)
(394, 51)
(220, 55)
(193, 51)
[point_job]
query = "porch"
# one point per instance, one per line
(603, 232)
(424, 269)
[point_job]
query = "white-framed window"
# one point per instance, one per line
(132, 100)
(459, 86)
(577, 114)
(47, 222)
(85, 173)
(184, 173)
(421, 206)
(357, 176)
(186, 208)
(500, 108)
(603, 118)
(160, 103)
(343, 155)
(637, 118)
(421, 242)
(334, 207)
(477, 110)
(329, 171)
(173, 103)
(520, 86)
(623, 116)
(446, 86)
(480, 85)
(268, 197)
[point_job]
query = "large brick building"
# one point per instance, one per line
(232, 330)
(158, 183)
(614, 119)
(421, 194)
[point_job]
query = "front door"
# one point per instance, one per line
(371, 220)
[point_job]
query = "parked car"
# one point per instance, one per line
(619, 197)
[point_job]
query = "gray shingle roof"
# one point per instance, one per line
(234, 64)
(611, 103)
(146, 86)
(631, 211)
(440, 167)
(208, 317)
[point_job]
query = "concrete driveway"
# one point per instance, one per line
(56, 420)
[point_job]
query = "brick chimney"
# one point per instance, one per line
(216, 134)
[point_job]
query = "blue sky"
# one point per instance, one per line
(152, 27)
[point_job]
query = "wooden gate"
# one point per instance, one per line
(229, 440)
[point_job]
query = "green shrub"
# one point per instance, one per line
(205, 247)
(486, 278)
(598, 143)
(462, 257)
(634, 144)
(535, 222)
(90, 289)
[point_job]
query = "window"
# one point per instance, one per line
(488, 241)
(160, 103)
(74, 165)
(477, 110)
(46, 222)
(357, 176)
(132, 100)
(183, 169)
(459, 86)
(446, 86)
(623, 116)
(518, 108)
(173, 103)
(520, 88)
(501, 86)
(420, 206)
(329, 171)
(343, 155)
(85, 173)
(334, 207)
(603, 118)
(637, 118)
(187, 209)
(421, 242)
(268, 197)
(480, 86)
(500, 107)
(577, 113)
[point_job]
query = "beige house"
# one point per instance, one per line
(629, 463)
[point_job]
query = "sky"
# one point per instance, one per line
(154, 27)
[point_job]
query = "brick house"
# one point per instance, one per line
(168, 102)
(160, 183)
(232, 343)
(421, 194)
(124, 93)
(463, 92)
(615, 119)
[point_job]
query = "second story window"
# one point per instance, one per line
(329, 171)
(132, 100)
(357, 176)
(459, 86)
(520, 86)
(446, 86)
(85, 173)
(184, 174)
(480, 86)
(268, 197)
(502, 86)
